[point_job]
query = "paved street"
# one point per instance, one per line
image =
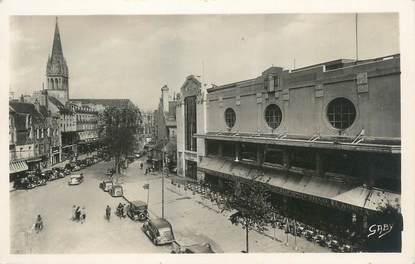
(194, 220)
(54, 202)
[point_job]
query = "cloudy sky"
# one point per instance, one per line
(134, 56)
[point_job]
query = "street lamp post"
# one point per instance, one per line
(162, 186)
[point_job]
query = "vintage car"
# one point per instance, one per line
(76, 168)
(345, 248)
(58, 172)
(69, 166)
(334, 245)
(75, 179)
(193, 248)
(308, 234)
(105, 185)
(159, 231)
(320, 239)
(116, 191)
(137, 210)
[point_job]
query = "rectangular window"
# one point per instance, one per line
(341, 163)
(303, 158)
(274, 156)
(212, 147)
(228, 150)
(276, 82)
(190, 122)
(387, 171)
(248, 151)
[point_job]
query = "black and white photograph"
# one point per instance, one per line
(205, 134)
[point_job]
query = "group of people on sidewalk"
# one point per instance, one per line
(78, 214)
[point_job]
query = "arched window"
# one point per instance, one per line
(341, 113)
(230, 117)
(273, 116)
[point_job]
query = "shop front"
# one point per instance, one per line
(344, 210)
(17, 170)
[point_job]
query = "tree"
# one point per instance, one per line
(250, 199)
(120, 130)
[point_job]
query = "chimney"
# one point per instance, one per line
(165, 99)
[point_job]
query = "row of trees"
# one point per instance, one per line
(120, 129)
(249, 202)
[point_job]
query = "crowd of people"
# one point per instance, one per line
(78, 214)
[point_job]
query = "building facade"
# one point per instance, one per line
(326, 137)
(190, 117)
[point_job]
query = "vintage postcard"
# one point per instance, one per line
(211, 134)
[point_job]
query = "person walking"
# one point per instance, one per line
(108, 213)
(38, 224)
(78, 214)
(125, 210)
(119, 210)
(73, 212)
(83, 214)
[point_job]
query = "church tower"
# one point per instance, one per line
(57, 71)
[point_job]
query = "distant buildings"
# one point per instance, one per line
(49, 127)
(164, 130)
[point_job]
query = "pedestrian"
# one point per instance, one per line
(38, 224)
(125, 210)
(73, 212)
(78, 214)
(108, 213)
(83, 214)
(119, 210)
(145, 173)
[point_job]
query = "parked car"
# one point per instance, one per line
(116, 191)
(200, 248)
(59, 172)
(159, 231)
(75, 179)
(76, 168)
(105, 185)
(70, 166)
(137, 210)
(47, 175)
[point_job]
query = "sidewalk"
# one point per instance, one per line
(195, 218)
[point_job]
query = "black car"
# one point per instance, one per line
(159, 231)
(137, 210)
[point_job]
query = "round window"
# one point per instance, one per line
(273, 116)
(230, 117)
(341, 113)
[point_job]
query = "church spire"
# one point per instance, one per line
(56, 63)
(57, 70)
(57, 46)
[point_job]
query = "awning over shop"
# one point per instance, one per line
(18, 166)
(285, 182)
(34, 160)
(316, 189)
(369, 198)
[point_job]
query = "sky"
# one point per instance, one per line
(134, 56)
